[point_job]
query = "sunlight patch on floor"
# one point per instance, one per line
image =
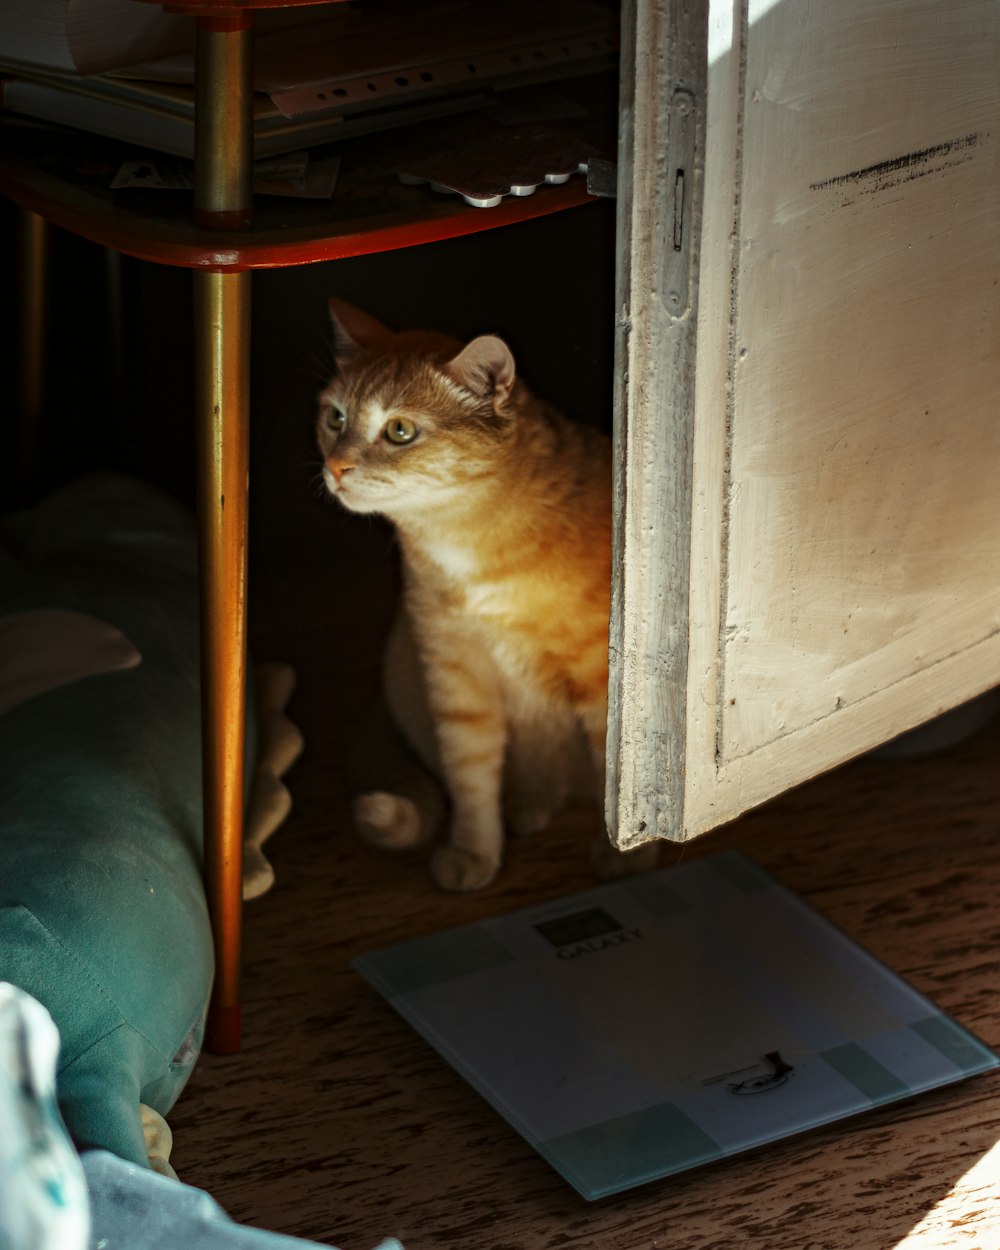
(968, 1216)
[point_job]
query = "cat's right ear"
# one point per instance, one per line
(354, 330)
(485, 367)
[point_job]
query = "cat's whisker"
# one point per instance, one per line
(315, 360)
(318, 484)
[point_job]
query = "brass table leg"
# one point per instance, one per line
(222, 200)
(114, 280)
(33, 270)
(222, 327)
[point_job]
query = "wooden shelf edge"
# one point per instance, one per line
(187, 246)
(194, 7)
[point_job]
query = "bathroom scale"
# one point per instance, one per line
(655, 1024)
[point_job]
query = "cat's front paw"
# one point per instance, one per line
(388, 820)
(455, 869)
(610, 863)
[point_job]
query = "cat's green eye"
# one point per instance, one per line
(336, 419)
(401, 430)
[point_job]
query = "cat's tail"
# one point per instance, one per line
(408, 816)
(398, 803)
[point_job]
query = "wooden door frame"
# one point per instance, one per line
(660, 203)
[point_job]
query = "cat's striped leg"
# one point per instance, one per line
(471, 734)
(471, 857)
(535, 769)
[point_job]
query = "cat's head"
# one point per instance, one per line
(411, 420)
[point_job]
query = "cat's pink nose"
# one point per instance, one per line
(338, 467)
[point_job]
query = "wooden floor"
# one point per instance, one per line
(339, 1124)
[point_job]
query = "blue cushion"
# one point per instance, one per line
(102, 911)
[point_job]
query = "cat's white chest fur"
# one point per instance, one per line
(456, 561)
(480, 596)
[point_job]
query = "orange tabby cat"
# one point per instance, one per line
(497, 666)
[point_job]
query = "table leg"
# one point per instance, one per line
(118, 387)
(222, 331)
(223, 200)
(33, 269)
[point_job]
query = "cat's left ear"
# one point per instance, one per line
(354, 330)
(485, 367)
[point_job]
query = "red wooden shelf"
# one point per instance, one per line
(64, 176)
(194, 7)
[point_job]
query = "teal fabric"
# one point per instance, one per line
(102, 911)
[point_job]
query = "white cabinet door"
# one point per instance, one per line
(807, 544)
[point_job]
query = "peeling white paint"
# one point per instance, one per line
(845, 527)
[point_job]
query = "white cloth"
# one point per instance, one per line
(43, 1192)
(50, 1199)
